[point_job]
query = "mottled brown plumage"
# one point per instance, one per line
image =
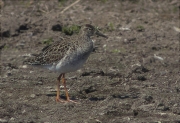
(67, 55)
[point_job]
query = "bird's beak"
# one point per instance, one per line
(100, 34)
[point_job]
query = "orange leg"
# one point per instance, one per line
(58, 89)
(66, 91)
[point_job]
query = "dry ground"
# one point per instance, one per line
(133, 76)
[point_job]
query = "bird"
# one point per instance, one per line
(67, 55)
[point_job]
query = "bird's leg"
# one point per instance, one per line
(58, 89)
(64, 83)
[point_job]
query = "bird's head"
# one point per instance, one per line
(90, 30)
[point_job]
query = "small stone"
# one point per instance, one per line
(125, 40)
(31, 71)
(24, 66)
(104, 46)
(39, 83)
(163, 108)
(32, 95)
(9, 73)
(3, 121)
(73, 77)
(23, 111)
(12, 119)
(148, 98)
(20, 45)
(24, 81)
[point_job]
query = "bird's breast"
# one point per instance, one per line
(74, 59)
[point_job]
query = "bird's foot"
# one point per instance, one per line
(65, 101)
(68, 100)
(59, 100)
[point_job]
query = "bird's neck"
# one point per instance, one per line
(85, 38)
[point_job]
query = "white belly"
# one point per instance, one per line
(72, 61)
(70, 64)
(69, 67)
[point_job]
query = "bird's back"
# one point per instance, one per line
(69, 54)
(50, 54)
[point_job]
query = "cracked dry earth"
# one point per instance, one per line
(131, 77)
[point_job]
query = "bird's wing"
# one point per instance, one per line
(50, 54)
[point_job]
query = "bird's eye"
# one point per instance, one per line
(89, 29)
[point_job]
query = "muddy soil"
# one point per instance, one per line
(131, 77)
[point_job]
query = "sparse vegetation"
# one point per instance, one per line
(111, 26)
(48, 41)
(61, 2)
(69, 30)
(175, 9)
(6, 47)
(140, 28)
(116, 51)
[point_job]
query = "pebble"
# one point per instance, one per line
(39, 83)
(3, 121)
(32, 95)
(73, 77)
(31, 71)
(9, 73)
(24, 81)
(20, 45)
(23, 66)
(12, 119)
